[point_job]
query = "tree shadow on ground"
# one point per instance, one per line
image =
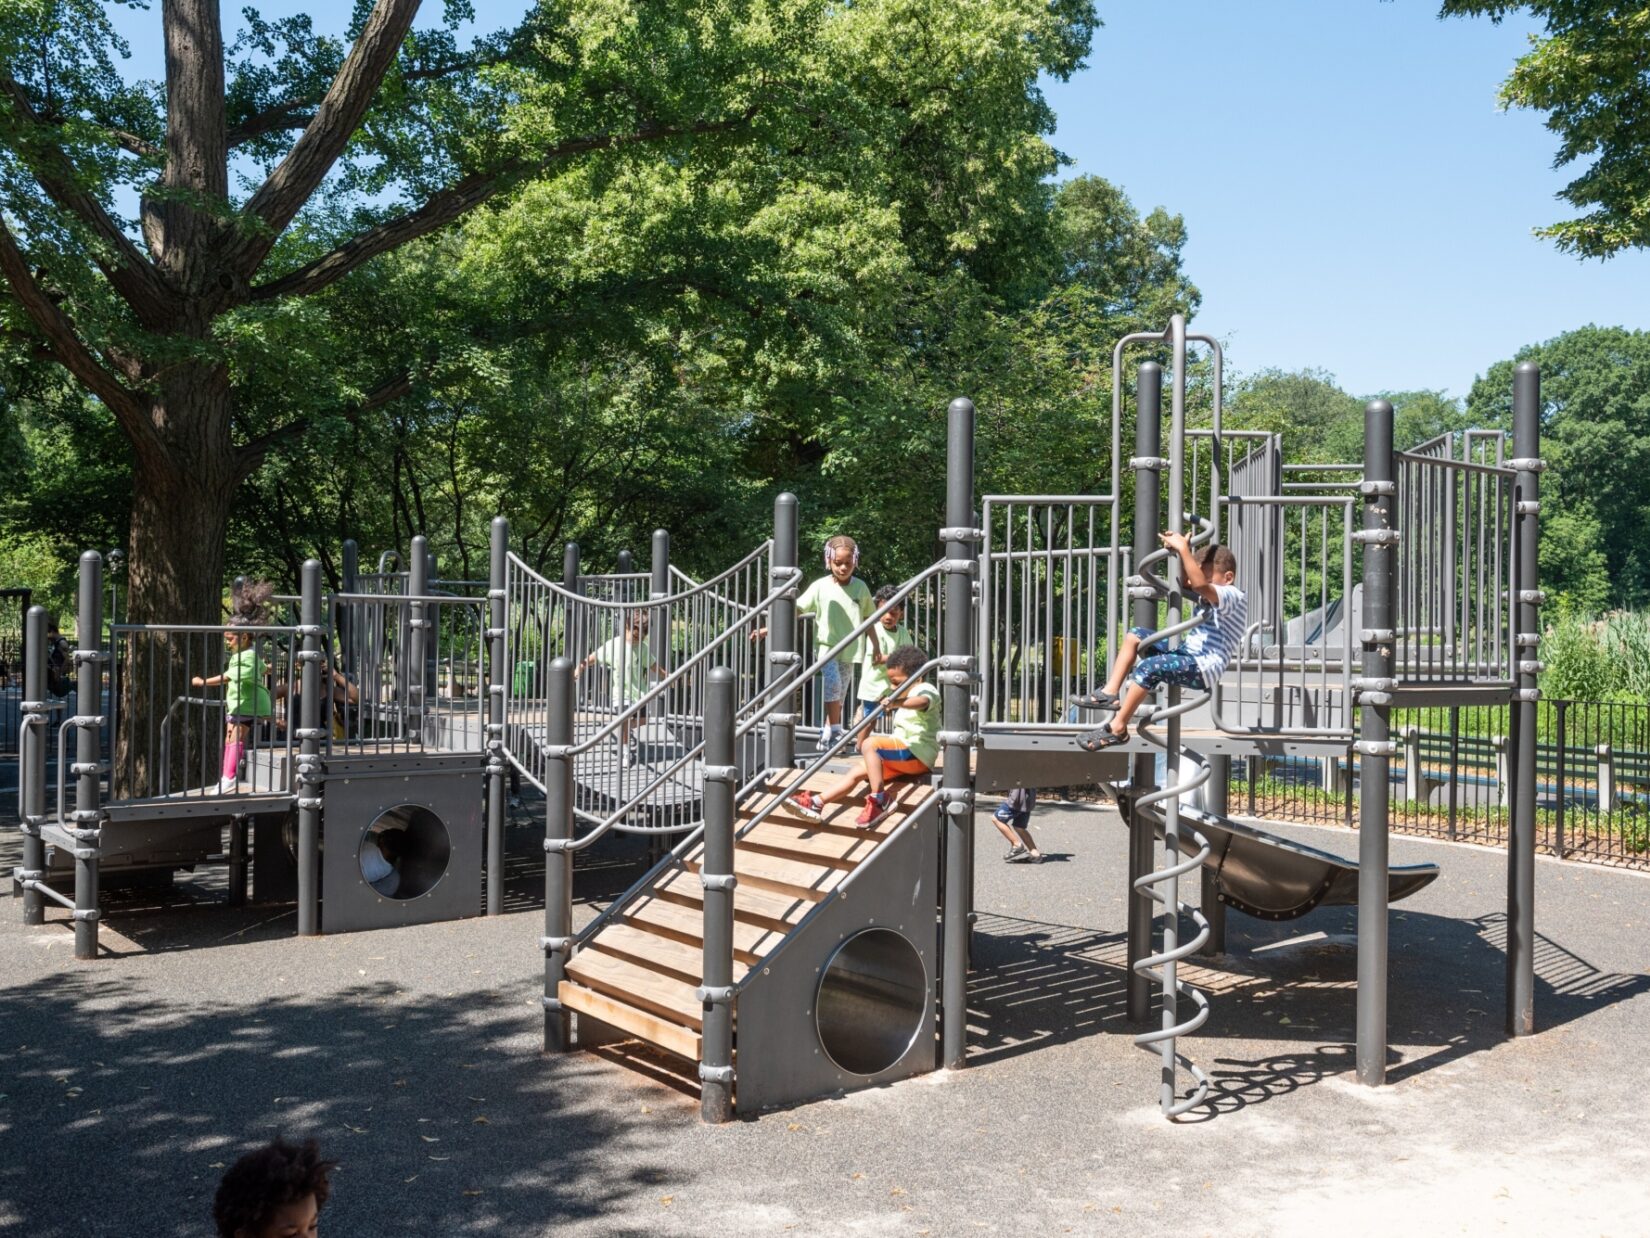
(1036, 984)
(123, 1107)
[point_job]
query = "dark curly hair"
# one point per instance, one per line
(260, 1182)
(885, 595)
(907, 658)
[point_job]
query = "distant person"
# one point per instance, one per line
(628, 659)
(1203, 654)
(60, 679)
(1013, 821)
(911, 750)
(888, 635)
(246, 699)
(838, 602)
(276, 1192)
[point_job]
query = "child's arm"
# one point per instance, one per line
(210, 682)
(583, 666)
(907, 702)
(1191, 571)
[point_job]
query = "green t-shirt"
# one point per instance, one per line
(628, 663)
(837, 610)
(244, 692)
(919, 729)
(873, 680)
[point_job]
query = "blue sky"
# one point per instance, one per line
(1355, 200)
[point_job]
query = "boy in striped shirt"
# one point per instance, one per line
(1200, 661)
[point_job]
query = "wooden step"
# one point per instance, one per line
(751, 905)
(666, 996)
(833, 848)
(640, 945)
(671, 1037)
(806, 880)
(687, 925)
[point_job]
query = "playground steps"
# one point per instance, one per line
(638, 973)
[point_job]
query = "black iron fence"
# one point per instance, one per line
(1451, 779)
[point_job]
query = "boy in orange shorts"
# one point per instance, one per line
(911, 749)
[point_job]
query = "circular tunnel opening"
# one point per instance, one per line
(404, 852)
(873, 996)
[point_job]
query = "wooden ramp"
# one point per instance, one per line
(638, 972)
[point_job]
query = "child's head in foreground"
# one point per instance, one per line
(1219, 564)
(895, 614)
(277, 1191)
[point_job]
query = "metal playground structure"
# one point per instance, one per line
(784, 957)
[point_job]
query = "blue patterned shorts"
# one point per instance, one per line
(1159, 665)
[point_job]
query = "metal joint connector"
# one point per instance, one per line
(971, 566)
(1528, 640)
(1374, 698)
(958, 533)
(310, 629)
(1532, 597)
(81, 656)
(1142, 593)
(555, 945)
(963, 679)
(316, 733)
(1531, 667)
(1377, 537)
(1376, 489)
(1527, 507)
(309, 655)
(721, 773)
(81, 768)
(494, 633)
(551, 1004)
(1527, 694)
(1377, 636)
(1527, 464)
(966, 738)
(780, 658)
(557, 846)
(309, 801)
(715, 1074)
(1148, 462)
(957, 662)
(718, 881)
(1374, 685)
(1375, 748)
(714, 994)
(496, 595)
(497, 689)
(35, 707)
(85, 915)
(956, 795)
(557, 752)
(784, 719)
(93, 816)
(28, 874)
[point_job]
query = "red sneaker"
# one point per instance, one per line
(875, 808)
(806, 804)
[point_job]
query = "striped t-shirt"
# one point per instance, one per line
(1212, 645)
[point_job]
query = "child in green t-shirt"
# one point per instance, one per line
(627, 658)
(838, 602)
(888, 635)
(245, 694)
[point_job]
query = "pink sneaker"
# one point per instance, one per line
(876, 806)
(806, 804)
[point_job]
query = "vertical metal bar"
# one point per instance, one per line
(659, 627)
(1375, 729)
(309, 753)
(716, 874)
(1148, 441)
(497, 684)
(35, 718)
(1561, 708)
(782, 632)
(558, 862)
(1454, 769)
(1216, 793)
(1521, 852)
(418, 584)
(346, 612)
(627, 564)
(957, 778)
(1169, 989)
(88, 704)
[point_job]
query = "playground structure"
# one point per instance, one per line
(835, 956)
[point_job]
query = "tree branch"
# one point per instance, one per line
(65, 344)
(298, 113)
(252, 453)
(297, 176)
(131, 275)
(450, 203)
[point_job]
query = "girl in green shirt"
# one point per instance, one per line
(627, 659)
(245, 694)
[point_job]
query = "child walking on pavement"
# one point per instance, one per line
(1204, 651)
(1013, 821)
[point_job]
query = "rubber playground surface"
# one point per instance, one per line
(126, 1085)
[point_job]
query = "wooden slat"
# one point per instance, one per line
(687, 925)
(640, 945)
(663, 995)
(808, 881)
(750, 904)
(671, 1037)
(838, 850)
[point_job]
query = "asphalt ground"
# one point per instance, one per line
(128, 1083)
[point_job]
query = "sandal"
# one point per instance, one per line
(1105, 737)
(1095, 700)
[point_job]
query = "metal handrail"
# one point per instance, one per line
(665, 599)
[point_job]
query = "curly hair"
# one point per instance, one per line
(249, 604)
(907, 659)
(885, 595)
(261, 1182)
(1216, 559)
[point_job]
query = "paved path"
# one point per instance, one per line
(128, 1083)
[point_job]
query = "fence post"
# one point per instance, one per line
(309, 752)
(558, 861)
(1415, 785)
(1561, 708)
(1606, 779)
(35, 717)
(418, 585)
(1216, 794)
(782, 633)
(1454, 768)
(88, 814)
(1503, 774)
(957, 778)
(716, 875)
(1521, 852)
(497, 548)
(627, 563)
(658, 636)
(351, 581)
(1374, 745)
(1148, 442)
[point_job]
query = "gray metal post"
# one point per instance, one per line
(31, 767)
(558, 862)
(1374, 747)
(310, 733)
(418, 585)
(782, 632)
(716, 875)
(351, 581)
(88, 697)
(498, 547)
(1521, 847)
(627, 563)
(659, 587)
(1148, 440)
(1216, 798)
(956, 684)
(570, 568)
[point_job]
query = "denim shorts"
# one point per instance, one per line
(833, 681)
(1158, 664)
